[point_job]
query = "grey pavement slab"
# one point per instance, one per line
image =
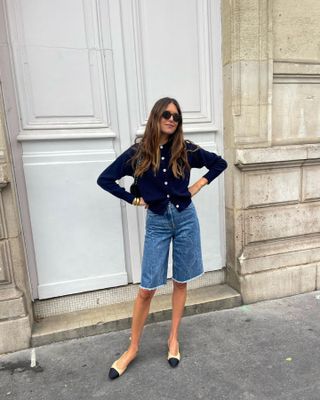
(266, 350)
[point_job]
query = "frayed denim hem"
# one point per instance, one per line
(156, 287)
(189, 280)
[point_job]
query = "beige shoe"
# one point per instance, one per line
(115, 371)
(173, 360)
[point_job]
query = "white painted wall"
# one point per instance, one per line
(87, 74)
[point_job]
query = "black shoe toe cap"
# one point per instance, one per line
(113, 373)
(173, 362)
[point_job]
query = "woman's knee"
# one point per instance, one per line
(146, 294)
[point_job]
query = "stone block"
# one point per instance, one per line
(253, 16)
(292, 67)
(234, 235)
(295, 27)
(251, 127)
(295, 102)
(15, 334)
(272, 186)
(288, 245)
(229, 186)
(273, 261)
(278, 283)
(230, 236)
(13, 228)
(313, 151)
(5, 50)
(232, 278)
(19, 267)
(276, 154)
(281, 222)
(288, 252)
(234, 192)
(12, 308)
(311, 183)
(254, 82)
(5, 262)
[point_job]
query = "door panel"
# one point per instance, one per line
(77, 229)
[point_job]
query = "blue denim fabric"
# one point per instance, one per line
(184, 231)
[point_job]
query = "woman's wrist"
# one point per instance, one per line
(202, 182)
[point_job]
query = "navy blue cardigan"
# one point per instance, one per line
(157, 190)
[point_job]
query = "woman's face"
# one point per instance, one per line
(169, 126)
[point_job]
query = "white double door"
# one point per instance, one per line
(86, 75)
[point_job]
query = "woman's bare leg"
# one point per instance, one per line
(179, 296)
(140, 313)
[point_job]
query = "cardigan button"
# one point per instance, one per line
(168, 195)
(164, 170)
(177, 205)
(162, 158)
(166, 183)
(161, 147)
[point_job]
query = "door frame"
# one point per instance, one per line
(13, 127)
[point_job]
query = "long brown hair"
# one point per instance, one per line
(148, 151)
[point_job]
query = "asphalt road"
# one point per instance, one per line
(267, 350)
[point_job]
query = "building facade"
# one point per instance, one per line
(77, 83)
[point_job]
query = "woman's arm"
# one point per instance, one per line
(197, 186)
(119, 168)
(198, 158)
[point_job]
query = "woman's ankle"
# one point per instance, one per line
(133, 348)
(173, 338)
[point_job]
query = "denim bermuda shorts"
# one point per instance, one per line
(182, 228)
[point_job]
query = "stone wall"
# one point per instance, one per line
(271, 74)
(15, 303)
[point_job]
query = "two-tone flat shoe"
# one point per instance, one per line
(173, 360)
(115, 371)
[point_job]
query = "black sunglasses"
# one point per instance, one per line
(167, 115)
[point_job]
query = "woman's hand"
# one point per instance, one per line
(141, 203)
(197, 186)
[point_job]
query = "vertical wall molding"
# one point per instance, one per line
(251, 76)
(235, 58)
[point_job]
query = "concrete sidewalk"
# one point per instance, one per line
(268, 350)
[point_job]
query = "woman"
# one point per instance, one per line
(161, 161)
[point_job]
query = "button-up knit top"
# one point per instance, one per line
(160, 188)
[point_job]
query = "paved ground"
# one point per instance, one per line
(268, 350)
